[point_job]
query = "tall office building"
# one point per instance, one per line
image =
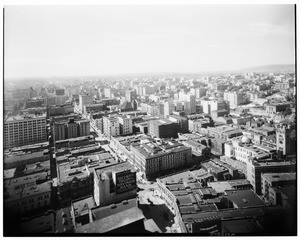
(125, 123)
(111, 126)
(70, 129)
(130, 95)
(235, 98)
(24, 130)
(84, 100)
(107, 92)
(286, 140)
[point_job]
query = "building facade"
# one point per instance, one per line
(24, 130)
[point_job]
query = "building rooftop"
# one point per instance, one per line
(220, 186)
(152, 149)
(23, 156)
(118, 167)
(37, 167)
(194, 144)
(63, 220)
(244, 198)
(25, 117)
(213, 167)
(278, 177)
(201, 174)
(26, 191)
(9, 173)
(67, 172)
(82, 206)
(185, 176)
(44, 223)
(112, 217)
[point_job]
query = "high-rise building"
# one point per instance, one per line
(111, 126)
(107, 92)
(169, 108)
(114, 184)
(188, 101)
(130, 95)
(24, 130)
(286, 140)
(256, 168)
(84, 100)
(60, 92)
(163, 128)
(70, 129)
(56, 100)
(235, 98)
(125, 125)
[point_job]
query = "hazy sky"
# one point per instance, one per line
(99, 40)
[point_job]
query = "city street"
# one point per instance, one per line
(154, 207)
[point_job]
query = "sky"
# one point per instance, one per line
(46, 41)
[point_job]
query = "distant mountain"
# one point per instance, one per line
(278, 68)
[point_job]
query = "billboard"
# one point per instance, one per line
(125, 181)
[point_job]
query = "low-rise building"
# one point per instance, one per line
(124, 217)
(155, 159)
(271, 182)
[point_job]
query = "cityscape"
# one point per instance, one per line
(182, 151)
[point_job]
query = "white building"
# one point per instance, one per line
(235, 98)
(125, 123)
(111, 126)
(24, 130)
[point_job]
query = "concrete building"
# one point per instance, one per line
(155, 159)
(114, 184)
(56, 100)
(224, 132)
(24, 130)
(286, 140)
(163, 128)
(84, 99)
(107, 93)
(235, 98)
(121, 218)
(182, 122)
(70, 129)
(111, 125)
(271, 181)
(241, 148)
(25, 195)
(276, 107)
(125, 125)
(34, 103)
(255, 168)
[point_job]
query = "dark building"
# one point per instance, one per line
(183, 124)
(163, 128)
(60, 92)
(34, 103)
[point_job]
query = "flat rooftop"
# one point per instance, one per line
(244, 198)
(185, 176)
(123, 166)
(28, 191)
(25, 117)
(112, 217)
(83, 205)
(278, 177)
(22, 156)
(152, 149)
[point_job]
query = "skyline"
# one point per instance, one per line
(114, 40)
